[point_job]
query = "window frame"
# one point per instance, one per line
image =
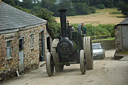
(9, 53)
(32, 41)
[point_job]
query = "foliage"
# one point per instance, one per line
(26, 4)
(24, 9)
(123, 6)
(71, 11)
(100, 31)
(11, 2)
(107, 39)
(45, 14)
(83, 8)
(52, 24)
(100, 6)
(75, 7)
(106, 3)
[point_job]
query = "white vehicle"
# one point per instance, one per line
(98, 51)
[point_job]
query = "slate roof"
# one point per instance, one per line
(124, 22)
(12, 18)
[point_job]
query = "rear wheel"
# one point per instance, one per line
(88, 52)
(49, 64)
(82, 62)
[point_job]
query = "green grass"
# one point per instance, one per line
(113, 38)
(123, 52)
(115, 12)
(110, 10)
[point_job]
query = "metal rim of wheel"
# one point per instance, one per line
(82, 62)
(58, 67)
(49, 64)
(88, 52)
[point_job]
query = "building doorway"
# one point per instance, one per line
(21, 56)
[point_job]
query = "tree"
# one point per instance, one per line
(26, 4)
(11, 2)
(71, 11)
(123, 6)
(83, 8)
(52, 24)
(35, 1)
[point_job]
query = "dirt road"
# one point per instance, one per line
(105, 72)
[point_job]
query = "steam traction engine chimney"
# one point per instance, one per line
(63, 22)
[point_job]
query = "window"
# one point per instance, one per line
(32, 41)
(9, 49)
(96, 46)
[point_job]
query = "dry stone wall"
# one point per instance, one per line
(107, 44)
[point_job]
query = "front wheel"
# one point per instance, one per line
(49, 64)
(58, 66)
(82, 62)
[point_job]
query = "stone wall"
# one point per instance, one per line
(8, 67)
(107, 44)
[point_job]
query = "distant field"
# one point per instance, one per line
(104, 16)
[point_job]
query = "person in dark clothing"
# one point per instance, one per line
(71, 28)
(82, 28)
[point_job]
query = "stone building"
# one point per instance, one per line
(121, 39)
(24, 41)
